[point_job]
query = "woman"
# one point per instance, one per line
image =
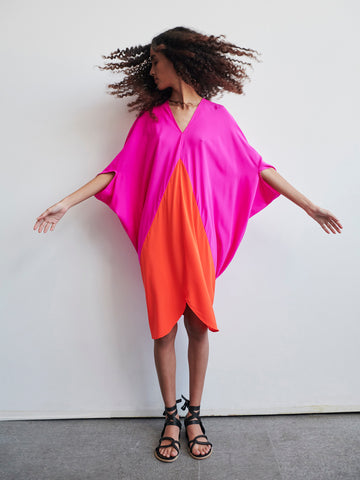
(184, 186)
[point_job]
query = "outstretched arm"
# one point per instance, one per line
(326, 219)
(53, 214)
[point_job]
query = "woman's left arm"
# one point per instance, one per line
(325, 218)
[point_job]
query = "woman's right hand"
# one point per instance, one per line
(50, 217)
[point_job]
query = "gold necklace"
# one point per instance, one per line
(179, 102)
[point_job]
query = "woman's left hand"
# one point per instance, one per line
(325, 219)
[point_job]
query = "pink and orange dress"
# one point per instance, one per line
(184, 198)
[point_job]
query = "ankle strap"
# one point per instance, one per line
(191, 408)
(170, 409)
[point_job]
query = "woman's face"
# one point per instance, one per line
(163, 70)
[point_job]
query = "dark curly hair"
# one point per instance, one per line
(200, 60)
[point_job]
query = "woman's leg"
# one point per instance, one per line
(198, 354)
(165, 361)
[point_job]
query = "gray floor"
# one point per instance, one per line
(271, 447)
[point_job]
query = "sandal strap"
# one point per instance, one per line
(171, 421)
(194, 421)
(174, 443)
(193, 409)
(195, 440)
(194, 417)
(186, 403)
(171, 417)
(170, 409)
(199, 442)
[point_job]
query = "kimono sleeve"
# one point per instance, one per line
(122, 192)
(263, 193)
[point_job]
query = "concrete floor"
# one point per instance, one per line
(271, 447)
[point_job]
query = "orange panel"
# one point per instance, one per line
(176, 261)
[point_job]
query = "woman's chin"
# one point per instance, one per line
(161, 86)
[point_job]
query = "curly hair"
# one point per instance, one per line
(200, 60)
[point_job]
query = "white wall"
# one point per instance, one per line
(75, 341)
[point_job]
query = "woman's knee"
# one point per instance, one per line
(194, 326)
(167, 339)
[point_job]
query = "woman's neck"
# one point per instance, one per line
(185, 94)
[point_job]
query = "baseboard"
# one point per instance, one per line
(274, 410)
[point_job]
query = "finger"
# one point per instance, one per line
(42, 226)
(331, 227)
(46, 227)
(50, 226)
(327, 224)
(38, 223)
(336, 220)
(339, 225)
(324, 228)
(336, 226)
(53, 226)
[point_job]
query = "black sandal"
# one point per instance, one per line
(170, 420)
(193, 419)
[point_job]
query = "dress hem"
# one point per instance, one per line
(211, 328)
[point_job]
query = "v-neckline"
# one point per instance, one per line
(191, 119)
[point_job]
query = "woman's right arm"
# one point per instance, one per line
(48, 219)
